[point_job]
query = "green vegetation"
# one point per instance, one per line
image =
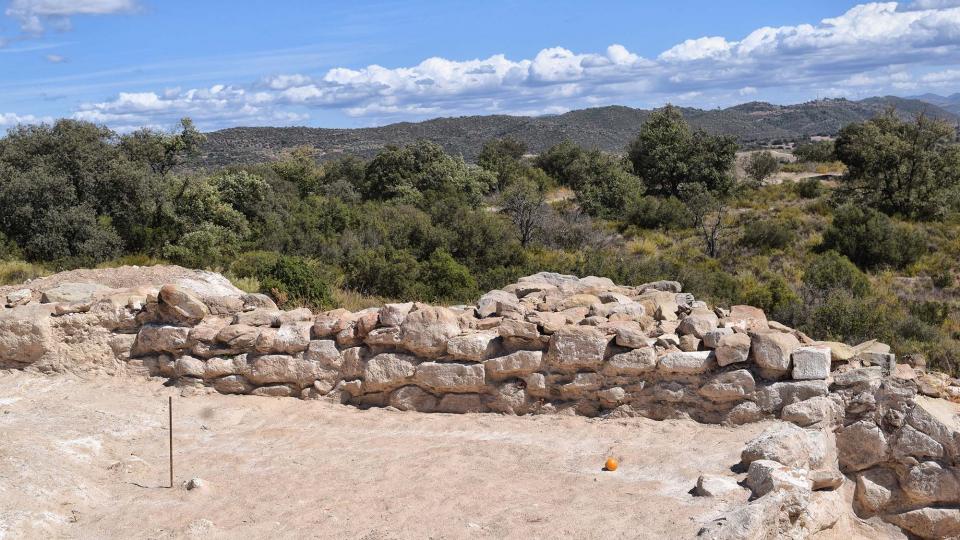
(846, 259)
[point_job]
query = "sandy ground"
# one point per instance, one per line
(88, 459)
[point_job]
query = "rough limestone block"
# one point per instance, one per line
(518, 364)
(440, 377)
(687, 363)
(811, 363)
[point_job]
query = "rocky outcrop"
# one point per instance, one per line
(549, 343)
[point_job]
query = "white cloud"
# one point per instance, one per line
(34, 15)
(13, 119)
(873, 47)
(55, 58)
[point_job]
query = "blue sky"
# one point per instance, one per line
(129, 63)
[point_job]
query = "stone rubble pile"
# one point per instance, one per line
(553, 344)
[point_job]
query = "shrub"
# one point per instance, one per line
(871, 239)
(809, 188)
(844, 317)
(449, 280)
(13, 272)
(254, 264)
(659, 213)
(830, 271)
(298, 281)
(769, 234)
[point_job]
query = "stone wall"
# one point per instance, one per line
(549, 344)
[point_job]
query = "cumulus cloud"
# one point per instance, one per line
(13, 119)
(873, 47)
(35, 15)
(55, 58)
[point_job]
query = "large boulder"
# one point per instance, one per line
(729, 386)
(811, 363)
(732, 349)
(861, 445)
(155, 339)
(631, 363)
(425, 332)
(178, 302)
(413, 398)
(474, 346)
(72, 293)
(577, 347)
(281, 368)
(698, 323)
(441, 377)
(687, 363)
(929, 522)
(747, 319)
(25, 335)
(789, 445)
(772, 350)
(387, 371)
(518, 364)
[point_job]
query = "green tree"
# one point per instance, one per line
(761, 165)
(908, 168)
(163, 151)
(671, 159)
(816, 152)
(503, 158)
(419, 174)
(871, 239)
(525, 204)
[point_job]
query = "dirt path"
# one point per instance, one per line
(87, 459)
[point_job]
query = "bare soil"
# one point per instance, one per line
(88, 459)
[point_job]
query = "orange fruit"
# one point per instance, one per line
(611, 464)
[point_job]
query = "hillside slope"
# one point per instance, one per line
(608, 128)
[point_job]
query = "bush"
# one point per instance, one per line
(657, 213)
(449, 280)
(14, 272)
(254, 264)
(809, 188)
(298, 281)
(871, 239)
(830, 271)
(769, 234)
(844, 317)
(816, 152)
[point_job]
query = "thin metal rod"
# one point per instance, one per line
(170, 418)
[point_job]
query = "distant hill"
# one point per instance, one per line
(608, 128)
(950, 103)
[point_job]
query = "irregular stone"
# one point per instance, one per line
(441, 377)
(461, 404)
(940, 420)
(548, 322)
(787, 444)
(578, 300)
(19, 297)
(523, 330)
(474, 346)
(631, 335)
(281, 368)
(72, 293)
(772, 350)
(612, 397)
(713, 485)
(811, 363)
(772, 398)
(325, 353)
(631, 363)
(661, 304)
(689, 343)
(290, 338)
(729, 386)
(425, 332)
(698, 323)
(744, 413)
(581, 384)
(824, 510)
(25, 335)
(366, 321)
(386, 371)
(219, 367)
(154, 339)
(258, 317)
(747, 319)
(232, 384)
(188, 366)
(387, 337)
(765, 476)
(240, 337)
(394, 314)
(178, 302)
(910, 442)
(489, 303)
(508, 398)
(712, 338)
(929, 483)
(277, 390)
(294, 316)
(413, 398)
(732, 349)
(857, 376)
(687, 363)
(518, 364)
(826, 478)
(577, 347)
(861, 445)
(354, 363)
(929, 522)
(816, 410)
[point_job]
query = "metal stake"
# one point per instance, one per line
(170, 418)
